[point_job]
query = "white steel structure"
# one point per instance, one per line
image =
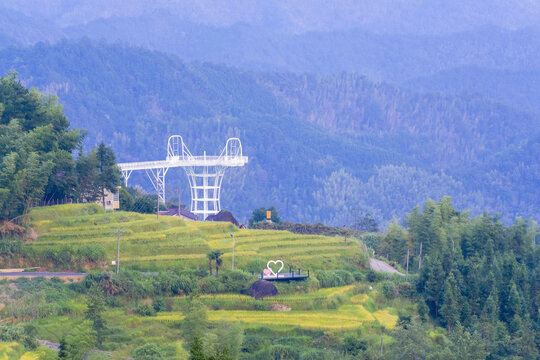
(205, 173)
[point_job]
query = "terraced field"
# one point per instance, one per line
(151, 244)
(349, 313)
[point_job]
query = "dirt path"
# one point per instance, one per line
(378, 265)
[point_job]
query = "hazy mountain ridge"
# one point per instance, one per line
(388, 57)
(388, 16)
(295, 128)
(293, 36)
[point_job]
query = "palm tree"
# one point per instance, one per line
(210, 256)
(219, 260)
(215, 255)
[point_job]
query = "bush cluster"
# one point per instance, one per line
(137, 285)
(25, 335)
(65, 256)
(10, 246)
(333, 278)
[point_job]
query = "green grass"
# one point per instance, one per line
(331, 309)
(151, 244)
(125, 332)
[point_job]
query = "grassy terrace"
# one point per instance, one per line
(343, 309)
(150, 244)
(330, 309)
(306, 313)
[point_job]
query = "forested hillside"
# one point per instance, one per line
(475, 273)
(317, 145)
(515, 88)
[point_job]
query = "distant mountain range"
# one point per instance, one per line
(319, 146)
(382, 40)
(426, 17)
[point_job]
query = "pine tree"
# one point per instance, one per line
(432, 279)
(450, 309)
(466, 346)
(513, 304)
(196, 349)
(62, 350)
(96, 307)
(490, 313)
(109, 174)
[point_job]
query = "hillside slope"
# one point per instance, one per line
(514, 88)
(151, 244)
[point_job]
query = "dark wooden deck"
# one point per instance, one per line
(284, 277)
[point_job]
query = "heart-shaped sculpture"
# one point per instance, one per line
(274, 262)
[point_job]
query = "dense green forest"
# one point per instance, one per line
(317, 145)
(36, 154)
(474, 273)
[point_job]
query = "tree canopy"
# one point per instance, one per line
(36, 153)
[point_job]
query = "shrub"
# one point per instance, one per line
(144, 204)
(252, 343)
(255, 266)
(388, 290)
(260, 306)
(371, 240)
(145, 310)
(309, 285)
(147, 352)
(278, 352)
(235, 280)
(313, 354)
(23, 334)
(404, 318)
(353, 345)
(184, 283)
(210, 285)
(113, 301)
(10, 246)
(407, 290)
(335, 278)
(136, 285)
(358, 276)
(159, 305)
(371, 276)
(360, 289)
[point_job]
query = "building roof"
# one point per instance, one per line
(223, 215)
(183, 212)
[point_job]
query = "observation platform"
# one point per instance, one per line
(205, 173)
(285, 276)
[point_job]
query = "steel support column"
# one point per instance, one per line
(157, 178)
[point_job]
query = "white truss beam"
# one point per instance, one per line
(157, 178)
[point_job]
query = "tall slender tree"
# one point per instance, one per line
(109, 174)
